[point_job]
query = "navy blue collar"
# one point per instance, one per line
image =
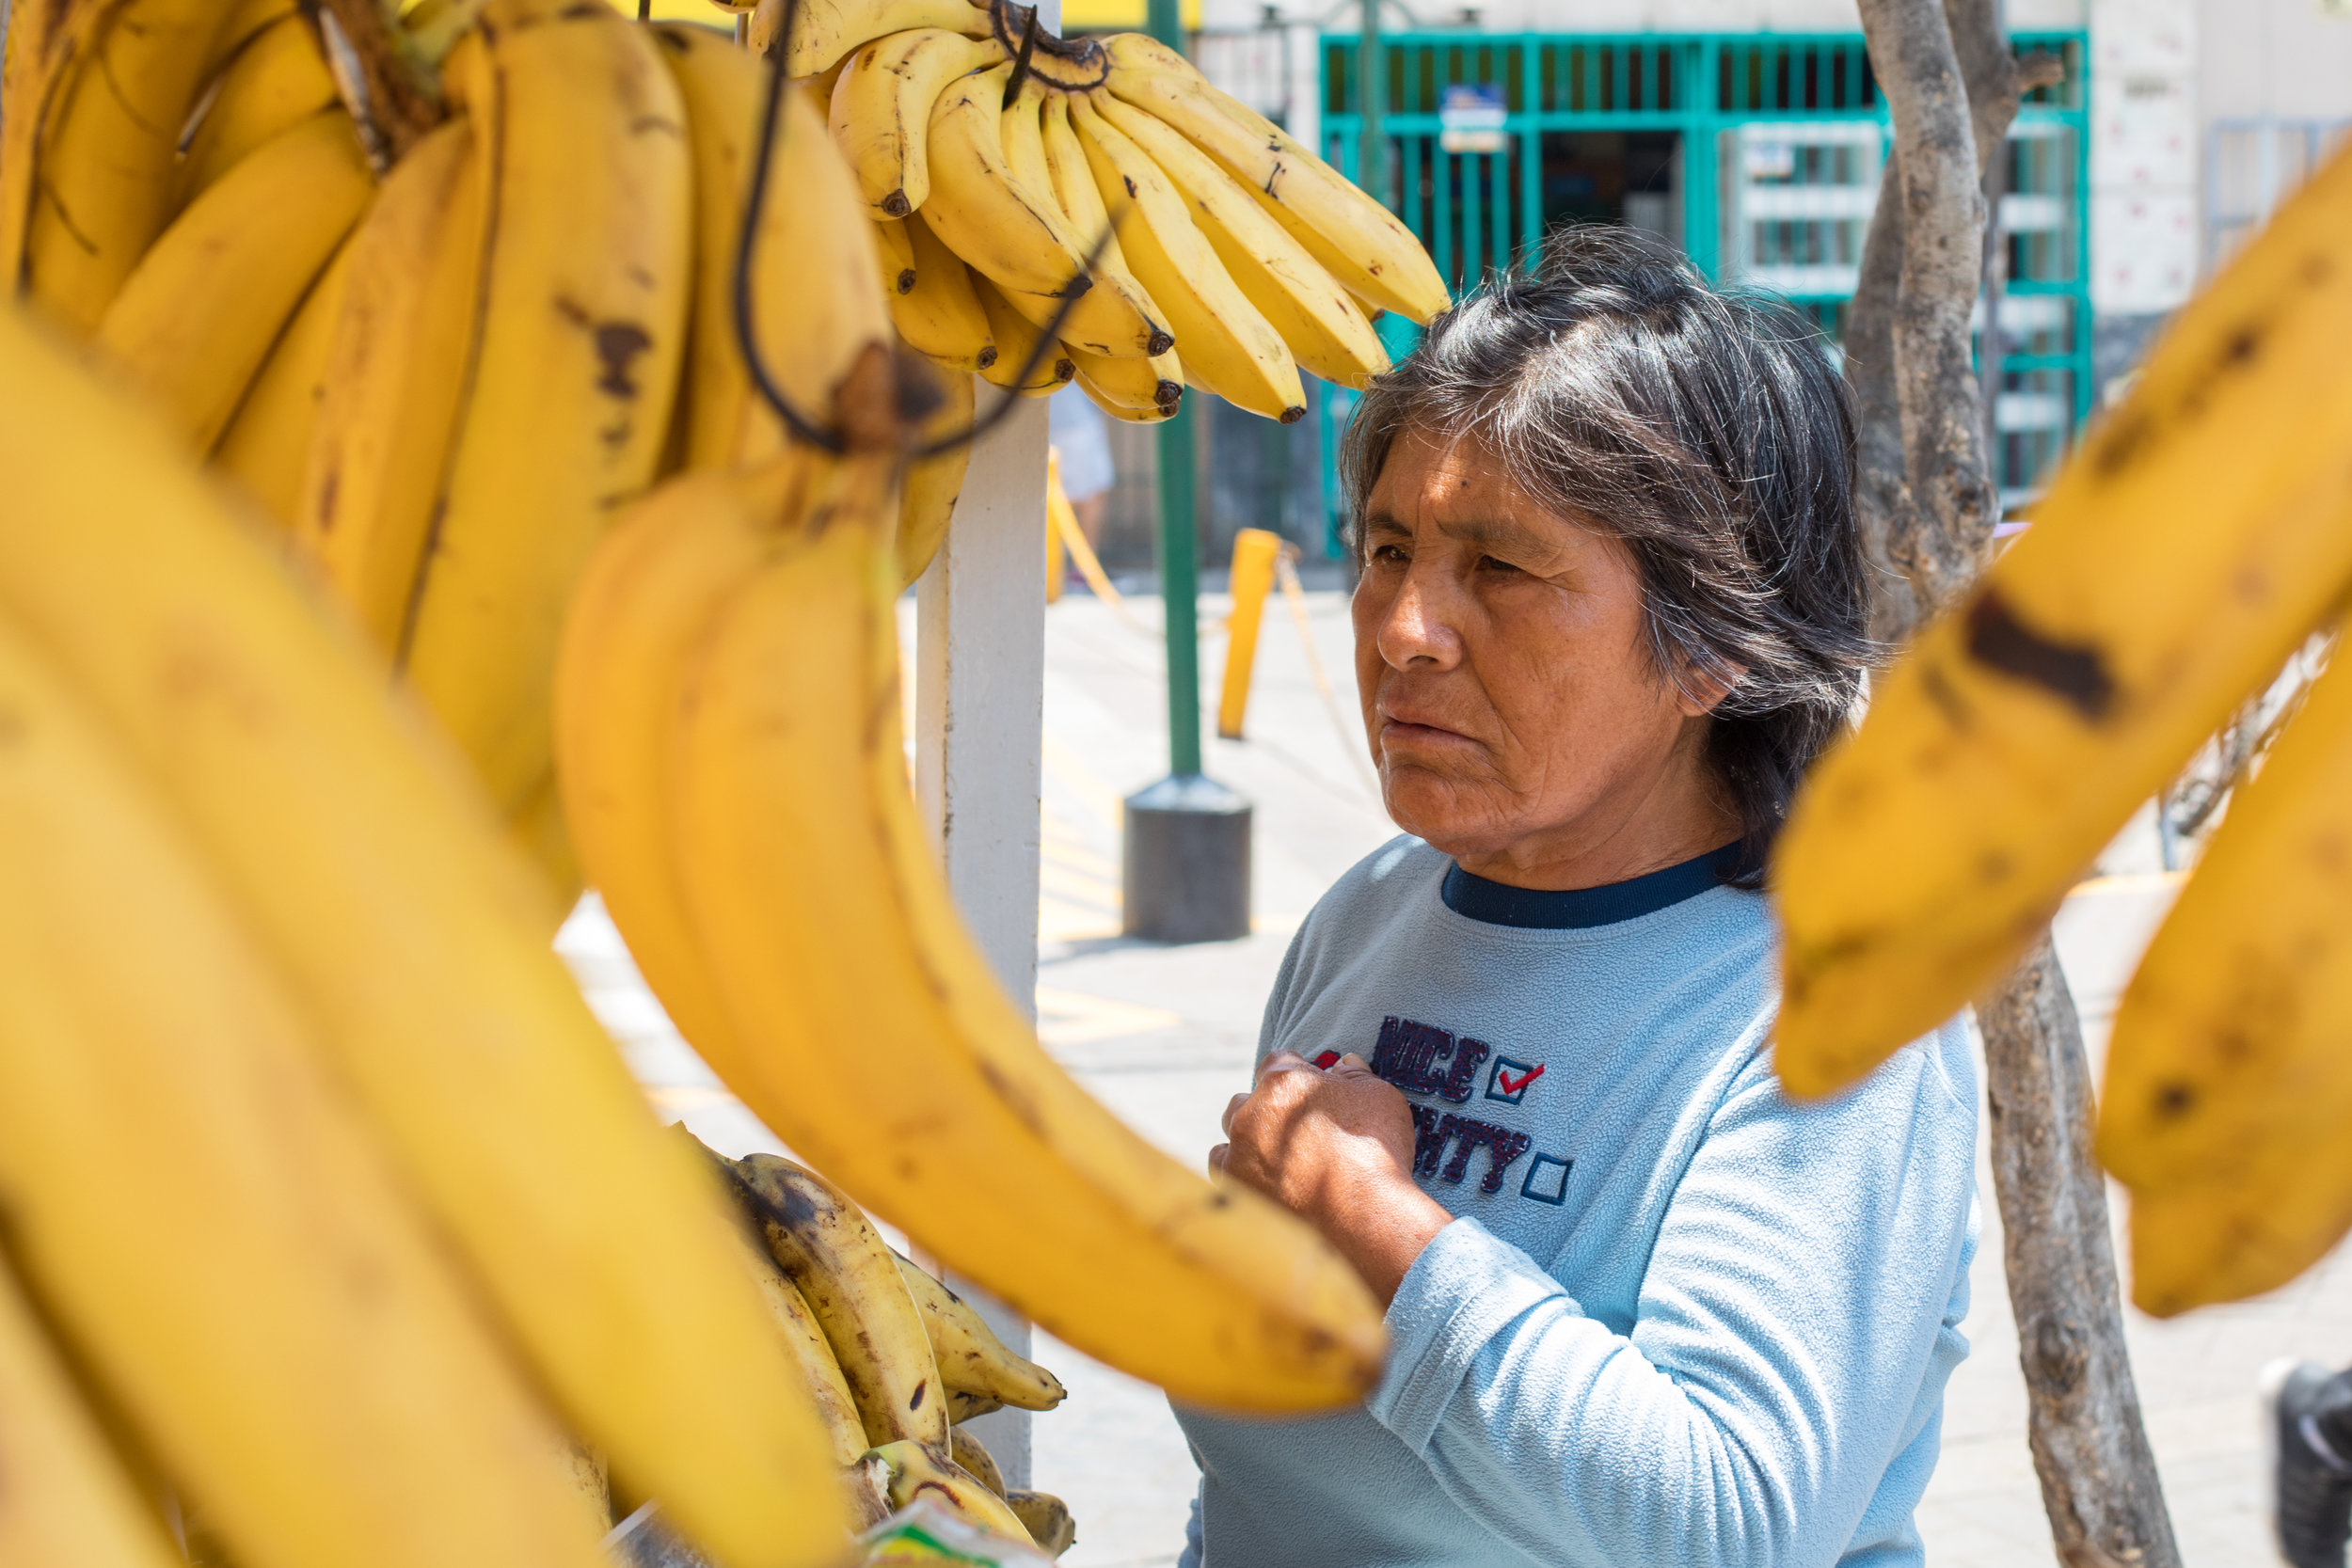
(1576, 909)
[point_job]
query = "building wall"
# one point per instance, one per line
(2273, 94)
(1614, 16)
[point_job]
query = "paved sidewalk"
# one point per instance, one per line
(1164, 1035)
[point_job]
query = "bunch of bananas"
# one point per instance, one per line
(730, 764)
(2201, 535)
(1017, 180)
(445, 382)
(322, 1184)
(893, 1358)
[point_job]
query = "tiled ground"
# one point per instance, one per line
(1165, 1035)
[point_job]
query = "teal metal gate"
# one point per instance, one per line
(1769, 147)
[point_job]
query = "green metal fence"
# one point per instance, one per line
(1760, 151)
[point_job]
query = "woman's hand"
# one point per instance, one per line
(1336, 1148)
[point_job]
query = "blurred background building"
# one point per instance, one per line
(1751, 133)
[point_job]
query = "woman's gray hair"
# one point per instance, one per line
(1708, 433)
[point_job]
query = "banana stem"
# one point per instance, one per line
(391, 95)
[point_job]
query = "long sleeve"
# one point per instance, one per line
(1798, 1300)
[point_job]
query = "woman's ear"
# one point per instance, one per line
(1702, 689)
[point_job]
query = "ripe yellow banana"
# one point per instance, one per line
(357, 851)
(973, 1458)
(2231, 1036)
(941, 316)
(105, 165)
(68, 1499)
(826, 30)
(1102, 320)
(321, 1419)
(828, 1391)
(881, 110)
(274, 82)
(268, 439)
(1016, 341)
(816, 298)
(1071, 182)
(927, 497)
(1047, 1518)
(897, 256)
(920, 1469)
(1152, 386)
(1228, 347)
(396, 375)
(970, 1356)
(2163, 579)
(193, 321)
(984, 1150)
(1325, 332)
(1353, 237)
(2252, 1229)
(583, 326)
(850, 1280)
(1008, 231)
(642, 605)
(45, 47)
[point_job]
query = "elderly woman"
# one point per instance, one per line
(1644, 1309)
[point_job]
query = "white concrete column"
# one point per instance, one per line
(979, 653)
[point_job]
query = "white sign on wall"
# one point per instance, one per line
(2144, 156)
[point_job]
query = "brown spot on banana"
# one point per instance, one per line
(618, 345)
(2076, 673)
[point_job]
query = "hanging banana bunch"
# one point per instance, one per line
(997, 157)
(2203, 533)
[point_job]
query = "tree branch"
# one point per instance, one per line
(2099, 1483)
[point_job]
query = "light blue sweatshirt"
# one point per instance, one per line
(1680, 1320)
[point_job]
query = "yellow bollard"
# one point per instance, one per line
(1254, 554)
(1061, 523)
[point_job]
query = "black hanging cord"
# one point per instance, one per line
(1021, 59)
(800, 424)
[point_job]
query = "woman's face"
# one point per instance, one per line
(1509, 693)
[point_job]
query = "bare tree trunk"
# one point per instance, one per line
(1949, 76)
(2099, 1482)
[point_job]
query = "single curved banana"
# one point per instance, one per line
(881, 110)
(827, 30)
(827, 1248)
(582, 331)
(1154, 386)
(2163, 579)
(1316, 318)
(273, 82)
(815, 296)
(1352, 236)
(828, 1391)
(941, 316)
(104, 163)
(396, 377)
(928, 1471)
(963, 1406)
(1016, 341)
(1228, 347)
(2250, 1230)
(358, 851)
(268, 439)
(2228, 1042)
(789, 775)
(897, 256)
(640, 608)
(313, 1413)
(69, 1500)
(1007, 231)
(1072, 181)
(969, 1356)
(1115, 409)
(927, 497)
(1104, 319)
(973, 1458)
(192, 323)
(45, 49)
(1047, 1518)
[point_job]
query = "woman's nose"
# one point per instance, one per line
(1418, 629)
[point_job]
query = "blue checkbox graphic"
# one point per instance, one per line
(1547, 1179)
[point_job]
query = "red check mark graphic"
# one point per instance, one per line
(1524, 1079)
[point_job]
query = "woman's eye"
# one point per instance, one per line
(1389, 555)
(1488, 563)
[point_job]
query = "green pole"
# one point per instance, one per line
(1179, 534)
(1372, 91)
